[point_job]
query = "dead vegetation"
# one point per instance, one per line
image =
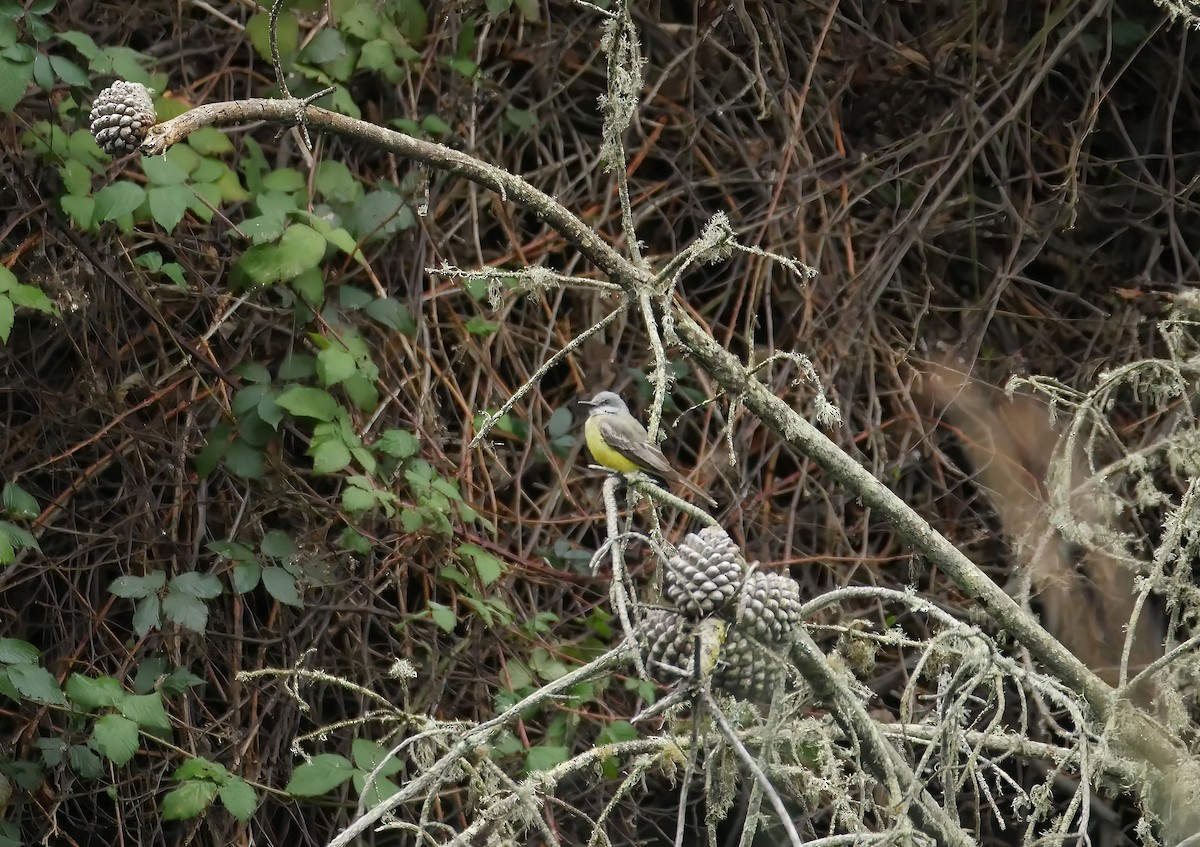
(1008, 185)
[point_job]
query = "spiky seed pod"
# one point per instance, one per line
(770, 606)
(666, 640)
(121, 115)
(705, 573)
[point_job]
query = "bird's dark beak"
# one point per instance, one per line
(582, 402)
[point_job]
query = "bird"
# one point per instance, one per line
(618, 441)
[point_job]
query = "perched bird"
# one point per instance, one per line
(619, 442)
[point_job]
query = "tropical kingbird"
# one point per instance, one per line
(618, 441)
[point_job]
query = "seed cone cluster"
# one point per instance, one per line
(121, 116)
(706, 577)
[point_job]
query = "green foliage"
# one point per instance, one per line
(20, 505)
(32, 53)
(200, 783)
(189, 178)
(14, 294)
(326, 772)
(108, 722)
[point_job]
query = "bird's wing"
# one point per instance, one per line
(641, 451)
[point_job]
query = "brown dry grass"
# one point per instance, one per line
(1006, 183)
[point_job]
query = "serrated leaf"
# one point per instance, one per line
(186, 611)
(368, 754)
(13, 651)
(246, 577)
(18, 502)
(356, 499)
(392, 314)
(133, 587)
(334, 365)
(146, 710)
(305, 402)
(84, 762)
(443, 616)
(544, 757)
(115, 738)
(91, 693)
(37, 684)
(210, 141)
(202, 585)
(319, 776)
(398, 443)
(147, 615)
(32, 297)
(329, 456)
(287, 33)
(282, 586)
(168, 205)
(488, 567)
(245, 460)
(238, 798)
(278, 545)
(188, 800)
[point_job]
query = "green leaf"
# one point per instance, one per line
(336, 183)
(379, 216)
(186, 611)
(238, 798)
(115, 738)
(210, 141)
(168, 204)
(18, 502)
(488, 567)
(69, 72)
(282, 586)
(356, 499)
(287, 34)
(202, 769)
(178, 681)
(246, 577)
(84, 762)
(14, 82)
(479, 326)
(285, 180)
(392, 314)
(13, 651)
(234, 550)
(329, 456)
(368, 755)
(147, 615)
(398, 443)
(136, 587)
(245, 459)
(32, 297)
(37, 684)
(188, 800)
(193, 584)
(325, 46)
(146, 710)
(164, 171)
(334, 365)
(443, 616)
(319, 776)
(278, 545)
(80, 209)
(304, 402)
(91, 693)
(545, 757)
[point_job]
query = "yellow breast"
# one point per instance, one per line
(601, 452)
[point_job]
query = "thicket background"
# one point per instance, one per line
(1003, 187)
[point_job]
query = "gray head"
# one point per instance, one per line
(606, 403)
